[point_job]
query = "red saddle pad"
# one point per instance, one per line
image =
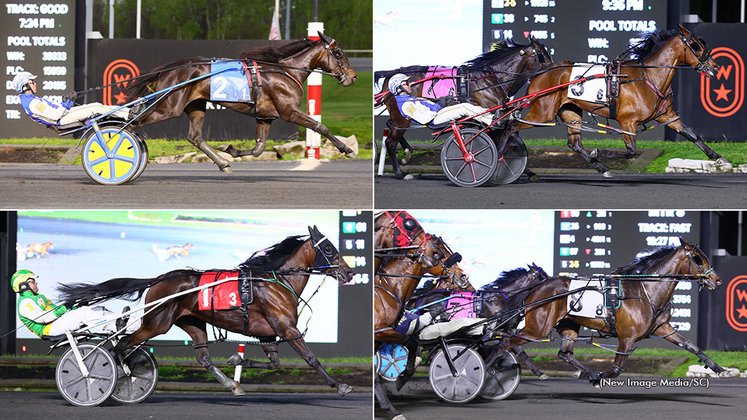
(222, 296)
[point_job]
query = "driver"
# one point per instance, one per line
(423, 111)
(45, 319)
(49, 113)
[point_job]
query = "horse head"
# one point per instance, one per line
(327, 258)
(341, 68)
(442, 262)
(699, 55)
(538, 51)
(707, 276)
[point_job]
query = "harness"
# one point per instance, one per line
(253, 79)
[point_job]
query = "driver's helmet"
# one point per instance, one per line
(19, 280)
(21, 80)
(395, 83)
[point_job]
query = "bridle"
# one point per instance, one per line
(330, 45)
(694, 256)
(448, 265)
(693, 44)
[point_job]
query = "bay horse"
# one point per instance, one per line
(507, 292)
(394, 282)
(493, 77)
(282, 71)
(644, 95)
(645, 294)
(278, 274)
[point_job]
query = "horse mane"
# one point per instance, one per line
(646, 262)
(273, 257)
(649, 44)
(501, 50)
(505, 278)
(275, 54)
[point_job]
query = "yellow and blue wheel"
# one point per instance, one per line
(117, 156)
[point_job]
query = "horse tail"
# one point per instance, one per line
(132, 289)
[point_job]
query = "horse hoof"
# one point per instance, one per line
(399, 417)
(238, 390)
(409, 177)
(725, 374)
(544, 376)
(594, 153)
(534, 178)
(234, 360)
(227, 169)
(724, 164)
(576, 374)
(351, 155)
(607, 174)
(344, 389)
(597, 384)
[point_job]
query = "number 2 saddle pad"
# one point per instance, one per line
(223, 296)
(229, 83)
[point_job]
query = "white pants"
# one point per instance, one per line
(85, 315)
(84, 112)
(459, 111)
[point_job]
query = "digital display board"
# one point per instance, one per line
(355, 243)
(597, 242)
(592, 31)
(38, 38)
(95, 246)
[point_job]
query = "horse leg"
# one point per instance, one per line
(287, 331)
(673, 336)
(525, 357)
(196, 330)
(412, 355)
(298, 117)
(263, 130)
(697, 139)
(390, 143)
(630, 147)
(573, 119)
(271, 352)
(196, 113)
(383, 400)
(569, 333)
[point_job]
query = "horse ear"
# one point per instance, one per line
(687, 245)
(683, 30)
(324, 38)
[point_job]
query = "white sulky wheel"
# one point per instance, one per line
(512, 162)
(86, 391)
(119, 158)
(476, 168)
(469, 378)
(139, 381)
(502, 377)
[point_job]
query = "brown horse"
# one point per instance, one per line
(282, 72)
(278, 275)
(394, 283)
(493, 77)
(645, 294)
(644, 95)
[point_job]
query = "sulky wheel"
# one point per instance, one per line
(115, 159)
(512, 162)
(502, 377)
(469, 378)
(86, 391)
(139, 380)
(144, 160)
(391, 361)
(476, 166)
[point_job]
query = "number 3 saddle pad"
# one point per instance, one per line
(223, 296)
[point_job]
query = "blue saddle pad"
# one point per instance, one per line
(228, 82)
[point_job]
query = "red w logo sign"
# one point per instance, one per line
(724, 95)
(736, 303)
(117, 76)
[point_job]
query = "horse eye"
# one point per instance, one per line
(697, 259)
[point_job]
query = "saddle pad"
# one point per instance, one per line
(594, 90)
(230, 84)
(438, 88)
(586, 303)
(442, 329)
(223, 296)
(461, 305)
